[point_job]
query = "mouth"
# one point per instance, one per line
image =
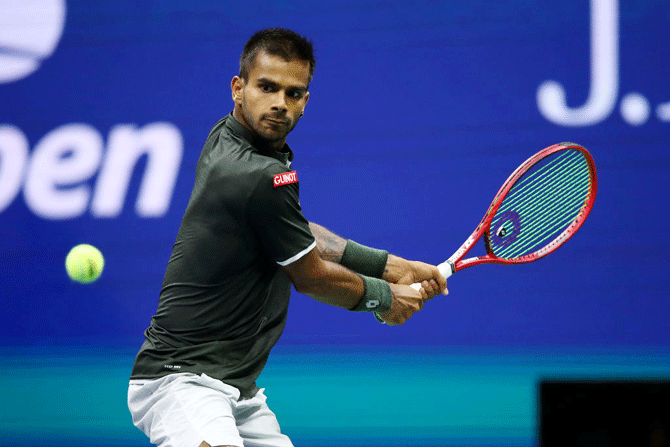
(276, 121)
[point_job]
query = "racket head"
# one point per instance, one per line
(538, 208)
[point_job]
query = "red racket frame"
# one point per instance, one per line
(456, 261)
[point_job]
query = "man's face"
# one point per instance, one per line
(272, 100)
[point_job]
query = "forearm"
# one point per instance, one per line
(333, 270)
(335, 285)
(369, 261)
(338, 286)
(359, 258)
(330, 245)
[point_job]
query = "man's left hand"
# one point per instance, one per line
(402, 271)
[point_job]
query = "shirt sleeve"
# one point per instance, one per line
(275, 214)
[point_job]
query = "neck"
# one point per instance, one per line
(277, 145)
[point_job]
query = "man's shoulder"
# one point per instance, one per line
(217, 131)
(221, 123)
(228, 153)
(242, 169)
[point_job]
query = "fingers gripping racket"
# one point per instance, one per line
(539, 207)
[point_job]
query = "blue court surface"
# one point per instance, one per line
(354, 395)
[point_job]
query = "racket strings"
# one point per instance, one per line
(556, 190)
(531, 179)
(554, 218)
(532, 190)
(527, 179)
(558, 209)
(545, 202)
(543, 231)
(552, 194)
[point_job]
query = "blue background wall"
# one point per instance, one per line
(418, 112)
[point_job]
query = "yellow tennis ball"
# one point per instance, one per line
(84, 263)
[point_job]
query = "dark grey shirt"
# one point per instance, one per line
(224, 299)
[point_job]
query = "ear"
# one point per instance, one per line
(303, 107)
(237, 88)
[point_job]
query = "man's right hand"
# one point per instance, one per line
(407, 301)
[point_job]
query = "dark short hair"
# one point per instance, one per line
(281, 42)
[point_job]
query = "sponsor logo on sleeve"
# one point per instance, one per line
(285, 179)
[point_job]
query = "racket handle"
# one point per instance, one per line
(446, 268)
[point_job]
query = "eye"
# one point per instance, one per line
(266, 88)
(295, 94)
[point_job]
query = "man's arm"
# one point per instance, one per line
(336, 285)
(331, 247)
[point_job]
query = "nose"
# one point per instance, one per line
(279, 103)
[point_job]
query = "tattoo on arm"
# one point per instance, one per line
(330, 245)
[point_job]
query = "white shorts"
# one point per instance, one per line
(184, 409)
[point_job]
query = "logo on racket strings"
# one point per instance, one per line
(507, 231)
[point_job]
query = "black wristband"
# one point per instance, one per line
(377, 296)
(364, 260)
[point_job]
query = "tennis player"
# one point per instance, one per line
(242, 243)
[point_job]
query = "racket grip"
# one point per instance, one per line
(446, 268)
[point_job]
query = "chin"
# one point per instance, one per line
(272, 137)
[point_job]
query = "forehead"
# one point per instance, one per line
(276, 69)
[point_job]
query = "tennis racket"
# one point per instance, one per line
(538, 208)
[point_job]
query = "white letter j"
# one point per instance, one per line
(604, 74)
